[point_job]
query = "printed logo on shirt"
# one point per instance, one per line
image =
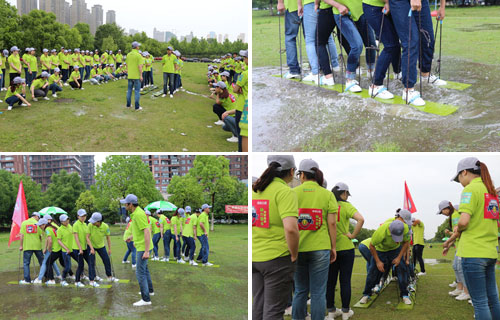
(187, 220)
(261, 217)
(466, 196)
(490, 206)
(310, 219)
(31, 228)
(157, 224)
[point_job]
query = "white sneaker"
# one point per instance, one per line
(79, 285)
(364, 299)
(289, 75)
(35, 99)
(133, 266)
(151, 293)
(24, 105)
(376, 289)
(337, 313)
(163, 95)
(141, 91)
(64, 284)
(406, 300)
(113, 279)
(432, 79)
(310, 77)
(95, 284)
(353, 86)
(141, 303)
(58, 277)
(453, 284)
(232, 139)
(37, 281)
(163, 260)
(84, 278)
(347, 315)
(288, 311)
(181, 261)
(54, 95)
(66, 84)
(413, 98)
(24, 282)
(470, 302)
(46, 98)
(309, 302)
(82, 88)
(193, 263)
(455, 292)
(397, 76)
(421, 274)
(208, 264)
(9, 108)
(97, 278)
(125, 261)
(324, 81)
(380, 92)
(463, 296)
(219, 123)
(171, 96)
(1, 101)
(50, 282)
(394, 279)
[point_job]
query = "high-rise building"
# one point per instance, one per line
(241, 37)
(25, 6)
(78, 11)
(159, 35)
(15, 164)
(220, 38)
(88, 170)
(111, 17)
(133, 31)
(190, 37)
(55, 6)
(226, 37)
(212, 35)
(96, 17)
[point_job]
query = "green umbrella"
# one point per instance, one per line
(51, 210)
(445, 238)
(161, 205)
(354, 240)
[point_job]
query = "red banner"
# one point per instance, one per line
(20, 214)
(236, 209)
(408, 201)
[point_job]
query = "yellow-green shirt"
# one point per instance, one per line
(189, 224)
(74, 76)
(203, 218)
(97, 234)
(31, 234)
(165, 221)
(38, 83)
(418, 233)
(54, 78)
(65, 234)
(347, 211)
(155, 225)
(139, 223)
(46, 60)
(82, 230)
(52, 233)
(382, 239)
(33, 63)
(55, 61)
(19, 90)
(134, 60)
(168, 63)
(455, 217)
(16, 61)
(128, 232)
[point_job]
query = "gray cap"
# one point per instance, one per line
(45, 50)
(53, 50)
(65, 51)
(285, 161)
(76, 67)
(244, 53)
(413, 219)
(45, 74)
(443, 204)
(406, 215)
(69, 50)
(17, 80)
(130, 198)
(306, 165)
(81, 212)
(225, 73)
(48, 217)
(467, 163)
(397, 229)
(343, 187)
(170, 48)
(35, 213)
(215, 71)
(42, 221)
(188, 209)
(147, 212)
(220, 84)
(180, 211)
(325, 184)
(63, 217)
(57, 70)
(96, 217)
(5, 52)
(205, 206)
(14, 48)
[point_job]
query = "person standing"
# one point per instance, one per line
(242, 105)
(134, 71)
(3, 65)
(98, 230)
(166, 234)
(292, 23)
(81, 236)
(14, 64)
(177, 225)
(141, 233)
(418, 244)
(31, 243)
(155, 231)
(203, 231)
(184, 247)
(65, 240)
(129, 240)
(168, 72)
(190, 232)
(479, 211)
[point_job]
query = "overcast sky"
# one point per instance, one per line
(179, 17)
(376, 181)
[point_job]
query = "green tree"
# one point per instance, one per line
(229, 191)
(63, 191)
(109, 44)
(86, 201)
(7, 197)
(110, 30)
(35, 199)
(9, 21)
(87, 41)
(185, 191)
(440, 234)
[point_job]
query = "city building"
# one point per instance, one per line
(159, 35)
(133, 31)
(212, 35)
(88, 170)
(96, 18)
(241, 37)
(189, 37)
(226, 37)
(220, 38)
(25, 6)
(110, 17)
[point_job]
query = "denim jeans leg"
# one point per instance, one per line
(292, 22)
(427, 36)
(207, 248)
(156, 239)
(365, 252)
(26, 264)
(43, 266)
(368, 37)
(128, 252)
(192, 248)
(129, 92)
(351, 34)
(103, 253)
(142, 277)
(167, 236)
(310, 20)
(137, 93)
(92, 266)
(318, 276)
(230, 125)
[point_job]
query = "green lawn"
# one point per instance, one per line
(468, 33)
(433, 301)
(96, 120)
(181, 291)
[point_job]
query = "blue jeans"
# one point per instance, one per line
(203, 255)
(292, 22)
(374, 275)
(479, 276)
(12, 100)
(311, 275)
(184, 248)
(81, 69)
(459, 272)
(54, 88)
(27, 259)
(427, 36)
(167, 237)
(168, 78)
(130, 250)
(365, 252)
(399, 13)
(80, 259)
(2, 79)
(176, 81)
(105, 260)
(43, 268)
(191, 247)
(177, 248)
(143, 277)
(156, 239)
(136, 84)
(230, 125)
(67, 264)
(391, 52)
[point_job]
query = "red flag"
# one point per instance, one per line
(20, 214)
(408, 201)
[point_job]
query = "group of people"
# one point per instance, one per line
(301, 242)
(405, 29)
(228, 84)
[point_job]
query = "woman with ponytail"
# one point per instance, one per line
(478, 232)
(275, 238)
(317, 224)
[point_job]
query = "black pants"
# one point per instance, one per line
(238, 118)
(42, 92)
(12, 75)
(118, 64)
(343, 265)
(65, 75)
(418, 251)
(74, 84)
(326, 23)
(52, 259)
(271, 286)
(218, 110)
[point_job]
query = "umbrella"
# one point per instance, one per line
(51, 210)
(445, 238)
(161, 205)
(354, 240)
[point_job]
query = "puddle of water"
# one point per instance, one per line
(290, 116)
(64, 100)
(433, 262)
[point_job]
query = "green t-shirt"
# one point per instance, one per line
(203, 218)
(178, 64)
(229, 102)
(189, 224)
(26, 60)
(119, 58)
(480, 238)
(52, 233)
(134, 60)
(324, 5)
(45, 60)
(33, 63)
(165, 221)
(418, 233)
(61, 57)
(176, 221)
(55, 60)
(31, 234)
(382, 239)
(128, 231)
(355, 8)
(455, 217)
(366, 242)
(16, 61)
(82, 229)
(271, 206)
(243, 84)
(88, 60)
(168, 63)
(97, 234)
(19, 90)
(65, 234)
(347, 211)
(38, 83)
(65, 61)
(54, 78)
(155, 225)
(111, 59)
(291, 5)
(74, 76)
(4, 62)
(97, 60)
(139, 223)
(315, 204)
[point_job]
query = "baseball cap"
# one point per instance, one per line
(5, 52)
(397, 229)
(48, 217)
(406, 215)
(220, 84)
(57, 70)
(45, 74)
(34, 213)
(63, 218)
(205, 206)
(17, 80)
(96, 216)
(45, 50)
(14, 48)
(216, 71)
(413, 219)
(170, 48)
(42, 221)
(76, 67)
(225, 73)
(306, 165)
(466, 163)
(343, 187)
(81, 212)
(147, 212)
(188, 209)
(244, 53)
(285, 161)
(181, 211)
(130, 198)
(53, 50)
(443, 204)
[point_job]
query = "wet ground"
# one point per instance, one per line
(291, 116)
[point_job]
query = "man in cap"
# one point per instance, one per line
(97, 231)
(26, 60)
(168, 72)
(119, 59)
(134, 70)
(14, 63)
(33, 66)
(141, 233)
(31, 243)
(203, 231)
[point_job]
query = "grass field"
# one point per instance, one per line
(468, 33)
(96, 120)
(181, 291)
(432, 300)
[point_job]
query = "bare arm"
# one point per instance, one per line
(62, 245)
(77, 241)
(332, 230)
(147, 239)
(90, 243)
(292, 236)
(360, 221)
(463, 222)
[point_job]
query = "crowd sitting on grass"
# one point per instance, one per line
(228, 84)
